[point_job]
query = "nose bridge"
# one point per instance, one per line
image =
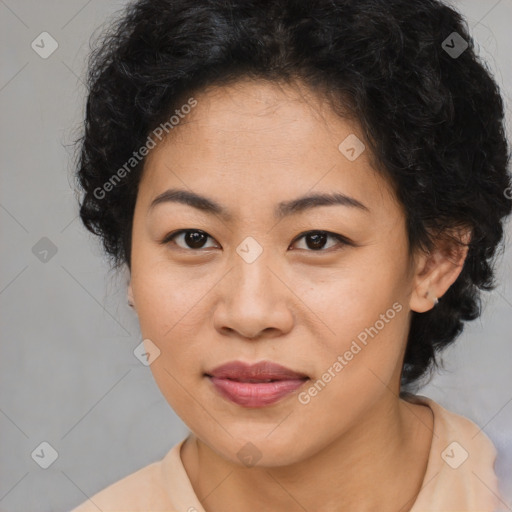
(252, 275)
(253, 298)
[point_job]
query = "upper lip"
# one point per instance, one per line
(263, 370)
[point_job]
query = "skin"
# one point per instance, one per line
(249, 146)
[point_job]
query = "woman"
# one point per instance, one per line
(308, 196)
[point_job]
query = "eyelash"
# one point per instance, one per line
(341, 239)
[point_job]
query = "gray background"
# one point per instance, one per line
(67, 370)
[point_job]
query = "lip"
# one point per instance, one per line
(244, 384)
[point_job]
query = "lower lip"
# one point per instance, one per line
(254, 394)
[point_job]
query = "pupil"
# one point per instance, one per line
(318, 240)
(194, 239)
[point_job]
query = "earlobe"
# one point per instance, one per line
(432, 297)
(423, 298)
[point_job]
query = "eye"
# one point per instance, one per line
(316, 240)
(193, 238)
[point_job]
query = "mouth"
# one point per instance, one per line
(256, 385)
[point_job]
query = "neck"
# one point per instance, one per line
(377, 465)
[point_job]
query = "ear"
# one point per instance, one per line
(437, 270)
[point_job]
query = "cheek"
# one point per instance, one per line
(169, 315)
(363, 309)
(357, 367)
(169, 309)
(368, 340)
(354, 297)
(169, 301)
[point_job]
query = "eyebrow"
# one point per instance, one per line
(282, 210)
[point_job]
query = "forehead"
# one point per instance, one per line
(257, 140)
(253, 113)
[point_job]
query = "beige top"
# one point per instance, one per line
(459, 477)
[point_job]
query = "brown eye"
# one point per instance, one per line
(316, 240)
(191, 238)
(195, 239)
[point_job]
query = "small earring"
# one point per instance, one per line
(435, 300)
(130, 303)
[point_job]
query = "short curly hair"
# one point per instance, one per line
(430, 111)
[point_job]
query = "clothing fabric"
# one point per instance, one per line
(460, 475)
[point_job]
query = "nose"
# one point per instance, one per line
(254, 301)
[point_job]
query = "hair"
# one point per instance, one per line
(433, 121)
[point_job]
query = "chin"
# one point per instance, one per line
(258, 450)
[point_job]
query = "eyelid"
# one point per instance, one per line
(343, 240)
(173, 234)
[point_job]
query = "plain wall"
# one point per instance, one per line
(68, 374)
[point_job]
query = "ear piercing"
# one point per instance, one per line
(434, 299)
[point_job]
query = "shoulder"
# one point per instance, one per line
(453, 427)
(463, 434)
(460, 472)
(142, 490)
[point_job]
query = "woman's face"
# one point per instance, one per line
(253, 285)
